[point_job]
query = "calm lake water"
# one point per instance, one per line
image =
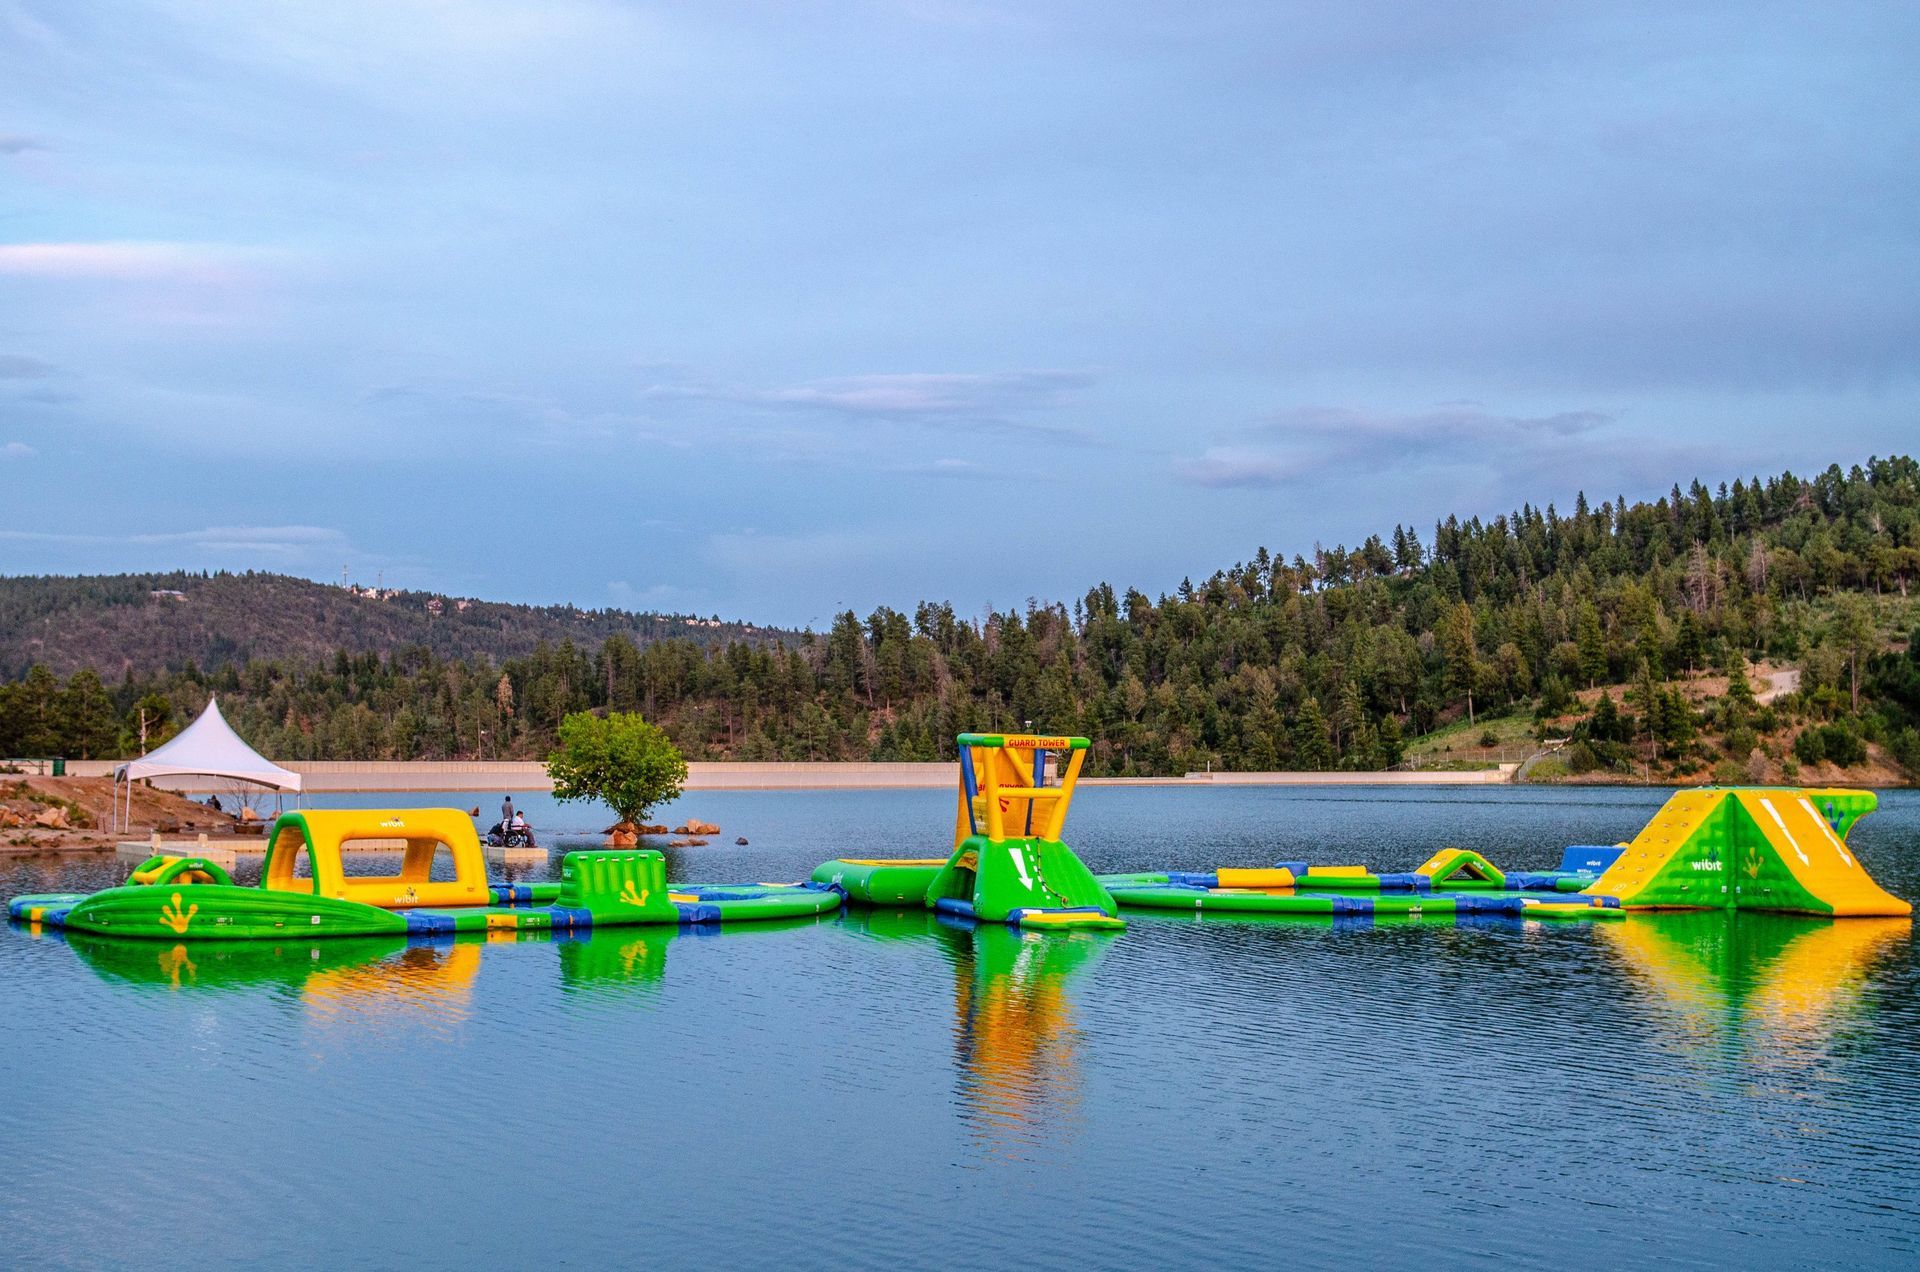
(887, 1090)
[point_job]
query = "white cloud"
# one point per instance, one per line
(261, 541)
(1005, 401)
(127, 261)
(415, 57)
(1308, 440)
(1228, 466)
(17, 450)
(18, 366)
(945, 467)
(941, 393)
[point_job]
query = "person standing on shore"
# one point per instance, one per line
(506, 811)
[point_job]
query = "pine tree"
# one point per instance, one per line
(1459, 652)
(1592, 644)
(1687, 642)
(89, 727)
(1739, 687)
(1646, 693)
(1349, 717)
(1393, 746)
(36, 711)
(1605, 724)
(1312, 748)
(1857, 635)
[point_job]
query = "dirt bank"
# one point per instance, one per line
(85, 804)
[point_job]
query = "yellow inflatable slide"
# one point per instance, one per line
(1751, 848)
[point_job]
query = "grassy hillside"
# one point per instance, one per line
(1785, 721)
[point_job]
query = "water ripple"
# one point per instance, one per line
(872, 1088)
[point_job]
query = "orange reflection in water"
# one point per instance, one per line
(1014, 1031)
(1787, 984)
(1819, 979)
(421, 980)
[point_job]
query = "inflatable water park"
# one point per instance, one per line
(1782, 851)
(1777, 850)
(304, 888)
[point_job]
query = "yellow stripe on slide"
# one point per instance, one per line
(895, 861)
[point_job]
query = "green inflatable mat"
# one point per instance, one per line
(880, 882)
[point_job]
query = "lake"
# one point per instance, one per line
(885, 1089)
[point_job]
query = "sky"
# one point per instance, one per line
(770, 310)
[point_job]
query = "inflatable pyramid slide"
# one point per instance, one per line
(1762, 848)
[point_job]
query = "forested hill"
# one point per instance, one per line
(1758, 631)
(147, 623)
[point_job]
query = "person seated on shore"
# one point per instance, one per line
(518, 822)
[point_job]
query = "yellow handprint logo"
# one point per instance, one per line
(172, 916)
(629, 897)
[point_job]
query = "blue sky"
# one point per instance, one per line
(775, 309)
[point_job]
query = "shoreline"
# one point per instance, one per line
(340, 777)
(530, 776)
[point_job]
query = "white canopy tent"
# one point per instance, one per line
(206, 748)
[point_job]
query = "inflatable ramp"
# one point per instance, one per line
(1763, 848)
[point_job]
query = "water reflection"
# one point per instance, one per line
(1783, 986)
(1014, 1036)
(383, 975)
(614, 959)
(224, 965)
(433, 982)
(1016, 1044)
(361, 981)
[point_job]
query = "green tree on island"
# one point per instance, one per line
(618, 759)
